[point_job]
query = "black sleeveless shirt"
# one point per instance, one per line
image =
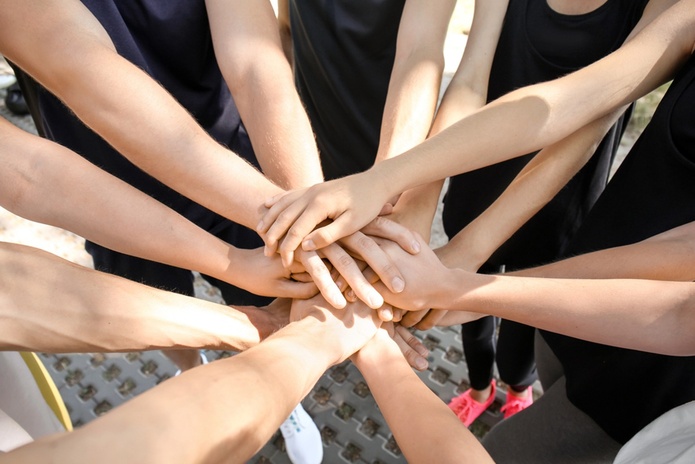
(537, 44)
(652, 191)
(344, 52)
(170, 41)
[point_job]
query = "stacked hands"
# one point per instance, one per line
(364, 265)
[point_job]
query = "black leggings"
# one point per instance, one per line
(514, 353)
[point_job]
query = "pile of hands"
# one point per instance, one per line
(378, 279)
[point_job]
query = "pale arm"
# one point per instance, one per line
(44, 182)
(126, 107)
(416, 76)
(250, 55)
(600, 297)
(426, 430)
(240, 401)
(518, 123)
(51, 305)
(466, 93)
(536, 184)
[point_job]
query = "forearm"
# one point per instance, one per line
(416, 208)
(410, 104)
(653, 316)
(416, 76)
(110, 212)
(250, 55)
(242, 401)
(426, 420)
(51, 305)
(535, 185)
(666, 256)
(540, 115)
(164, 141)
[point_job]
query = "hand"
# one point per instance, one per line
(350, 327)
(369, 253)
(414, 351)
(424, 275)
(424, 319)
(265, 275)
(350, 203)
(392, 339)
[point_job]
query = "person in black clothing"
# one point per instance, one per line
(536, 42)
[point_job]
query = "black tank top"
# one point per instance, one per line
(344, 52)
(652, 191)
(171, 41)
(538, 44)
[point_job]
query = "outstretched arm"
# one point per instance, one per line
(465, 94)
(586, 296)
(416, 76)
(250, 55)
(518, 123)
(426, 430)
(239, 402)
(51, 305)
(43, 181)
(127, 107)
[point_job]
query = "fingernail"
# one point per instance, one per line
(309, 245)
(386, 314)
(398, 284)
(338, 299)
(421, 363)
(416, 246)
(260, 226)
(375, 300)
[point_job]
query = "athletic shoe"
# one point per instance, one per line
(14, 100)
(6, 80)
(467, 409)
(515, 404)
(203, 361)
(302, 438)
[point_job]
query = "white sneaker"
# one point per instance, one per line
(302, 438)
(6, 80)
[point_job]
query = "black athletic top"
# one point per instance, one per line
(538, 44)
(171, 41)
(652, 191)
(343, 61)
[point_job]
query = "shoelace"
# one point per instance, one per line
(513, 407)
(290, 426)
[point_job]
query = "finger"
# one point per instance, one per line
(274, 199)
(302, 277)
(342, 226)
(414, 358)
(385, 313)
(300, 290)
(413, 317)
(370, 275)
(274, 207)
(412, 340)
(315, 266)
(378, 260)
(431, 319)
(351, 272)
(277, 220)
(382, 227)
(397, 315)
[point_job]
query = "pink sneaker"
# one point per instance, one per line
(515, 404)
(467, 409)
